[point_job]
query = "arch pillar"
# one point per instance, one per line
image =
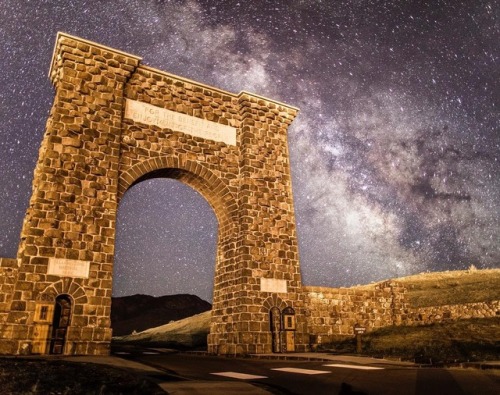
(69, 226)
(267, 259)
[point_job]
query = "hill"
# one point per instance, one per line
(456, 287)
(189, 332)
(450, 287)
(140, 312)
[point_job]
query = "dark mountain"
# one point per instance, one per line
(140, 312)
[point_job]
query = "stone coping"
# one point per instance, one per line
(212, 88)
(62, 35)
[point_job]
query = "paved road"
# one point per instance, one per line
(261, 376)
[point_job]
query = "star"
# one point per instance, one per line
(394, 153)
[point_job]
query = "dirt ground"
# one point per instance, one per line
(35, 376)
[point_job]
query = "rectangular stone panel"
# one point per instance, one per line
(68, 268)
(273, 285)
(194, 126)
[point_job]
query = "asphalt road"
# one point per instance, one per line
(317, 378)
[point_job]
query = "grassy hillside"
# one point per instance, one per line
(451, 287)
(189, 332)
(140, 312)
(458, 341)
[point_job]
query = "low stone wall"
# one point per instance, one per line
(437, 314)
(8, 275)
(333, 312)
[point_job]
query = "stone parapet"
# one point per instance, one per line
(333, 312)
(8, 262)
(438, 314)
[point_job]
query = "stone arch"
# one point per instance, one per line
(115, 121)
(65, 286)
(194, 174)
(273, 301)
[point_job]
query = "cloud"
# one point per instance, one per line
(344, 237)
(183, 41)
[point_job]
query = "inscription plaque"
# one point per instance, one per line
(273, 285)
(68, 268)
(152, 115)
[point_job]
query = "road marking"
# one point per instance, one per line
(340, 365)
(150, 352)
(301, 371)
(241, 376)
(121, 353)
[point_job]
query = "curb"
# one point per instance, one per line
(480, 365)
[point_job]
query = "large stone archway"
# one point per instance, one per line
(115, 122)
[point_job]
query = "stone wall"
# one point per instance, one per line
(8, 276)
(333, 312)
(437, 314)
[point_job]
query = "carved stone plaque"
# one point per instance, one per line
(273, 285)
(68, 268)
(194, 126)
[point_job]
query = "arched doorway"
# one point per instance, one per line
(60, 324)
(166, 241)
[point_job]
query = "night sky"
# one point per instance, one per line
(395, 152)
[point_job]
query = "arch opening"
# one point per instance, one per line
(60, 324)
(194, 174)
(166, 239)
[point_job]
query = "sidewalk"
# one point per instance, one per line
(481, 365)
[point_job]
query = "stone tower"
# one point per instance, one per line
(115, 122)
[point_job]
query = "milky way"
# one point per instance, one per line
(395, 153)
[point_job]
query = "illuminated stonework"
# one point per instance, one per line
(113, 123)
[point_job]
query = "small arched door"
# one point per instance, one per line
(60, 324)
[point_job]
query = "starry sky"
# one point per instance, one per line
(395, 152)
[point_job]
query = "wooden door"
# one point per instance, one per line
(290, 341)
(289, 329)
